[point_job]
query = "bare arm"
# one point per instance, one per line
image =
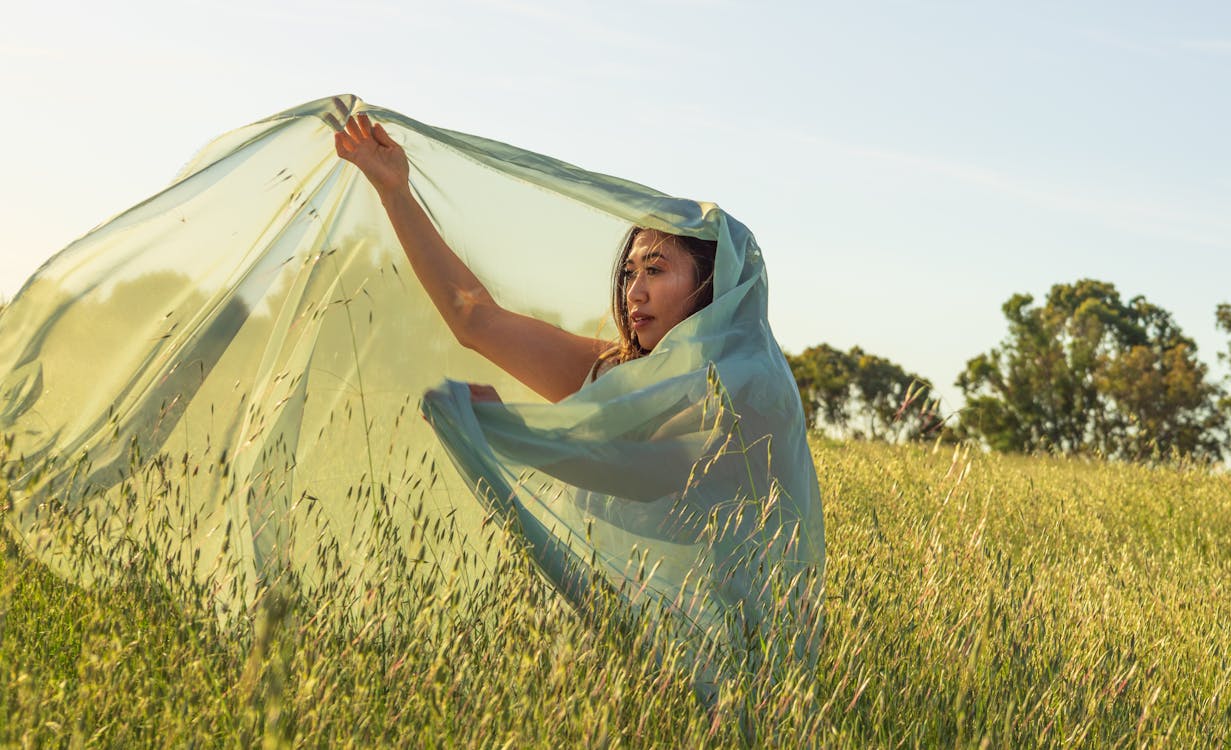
(549, 360)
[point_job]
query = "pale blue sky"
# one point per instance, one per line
(906, 166)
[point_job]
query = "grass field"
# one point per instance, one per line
(972, 600)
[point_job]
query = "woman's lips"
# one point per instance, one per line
(641, 321)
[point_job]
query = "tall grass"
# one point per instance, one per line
(970, 601)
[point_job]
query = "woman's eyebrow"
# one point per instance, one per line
(649, 257)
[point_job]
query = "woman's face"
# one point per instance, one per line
(660, 284)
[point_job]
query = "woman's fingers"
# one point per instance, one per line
(343, 143)
(379, 157)
(360, 127)
(378, 132)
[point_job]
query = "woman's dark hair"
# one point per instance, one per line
(627, 348)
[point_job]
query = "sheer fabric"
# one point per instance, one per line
(250, 348)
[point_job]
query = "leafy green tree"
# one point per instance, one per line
(862, 395)
(823, 375)
(1087, 372)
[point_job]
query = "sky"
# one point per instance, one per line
(906, 166)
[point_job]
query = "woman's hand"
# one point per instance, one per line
(370, 148)
(480, 393)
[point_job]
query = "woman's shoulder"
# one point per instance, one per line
(602, 366)
(605, 362)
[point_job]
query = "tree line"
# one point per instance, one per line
(1084, 372)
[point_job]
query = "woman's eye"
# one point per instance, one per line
(652, 270)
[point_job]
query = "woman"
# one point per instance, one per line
(660, 280)
(678, 471)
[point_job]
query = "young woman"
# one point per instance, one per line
(678, 472)
(660, 279)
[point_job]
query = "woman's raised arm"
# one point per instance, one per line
(549, 360)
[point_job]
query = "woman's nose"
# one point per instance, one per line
(636, 288)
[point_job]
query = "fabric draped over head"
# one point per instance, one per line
(253, 340)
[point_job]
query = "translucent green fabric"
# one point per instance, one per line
(255, 333)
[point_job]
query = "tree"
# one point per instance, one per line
(862, 395)
(823, 375)
(1089, 373)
